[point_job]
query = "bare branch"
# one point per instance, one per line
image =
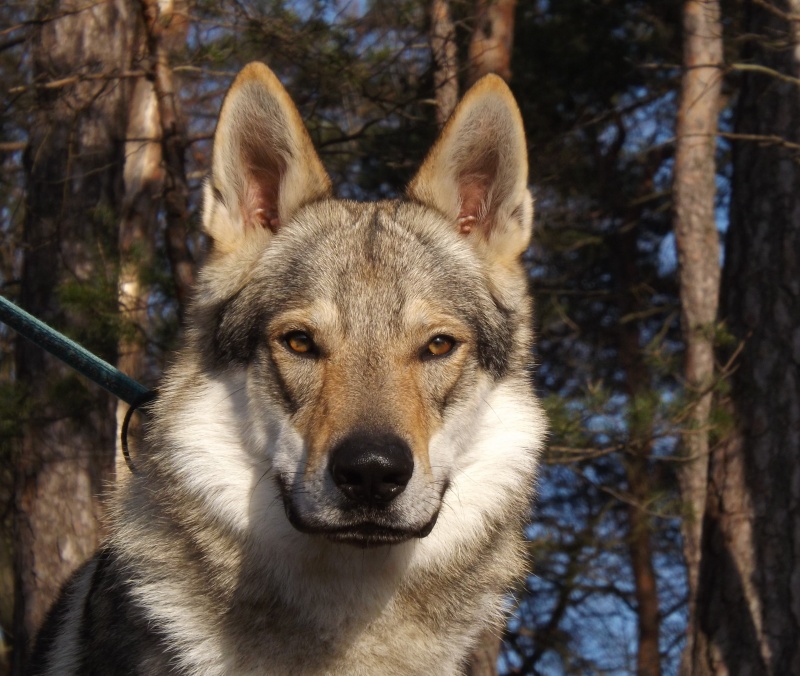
(75, 79)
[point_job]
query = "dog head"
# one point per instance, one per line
(370, 335)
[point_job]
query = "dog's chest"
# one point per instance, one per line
(402, 638)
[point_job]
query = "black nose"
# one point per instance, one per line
(372, 469)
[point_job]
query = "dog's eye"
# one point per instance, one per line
(439, 346)
(299, 342)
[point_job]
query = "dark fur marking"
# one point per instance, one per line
(50, 630)
(373, 236)
(103, 558)
(284, 396)
(219, 196)
(236, 332)
(112, 628)
(494, 328)
(495, 344)
(115, 628)
(455, 392)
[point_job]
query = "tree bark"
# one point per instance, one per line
(492, 39)
(637, 459)
(144, 185)
(697, 242)
(445, 60)
(164, 20)
(74, 182)
(749, 588)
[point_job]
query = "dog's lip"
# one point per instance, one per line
(362, 533)
(368, 535)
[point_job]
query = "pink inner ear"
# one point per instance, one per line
(260, 200)
(473, 192)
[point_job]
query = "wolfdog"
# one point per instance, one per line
(337, 471)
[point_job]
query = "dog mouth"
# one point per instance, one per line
(363, 533)
(368, 535)
(363, 529)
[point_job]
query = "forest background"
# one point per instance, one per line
(664, 140)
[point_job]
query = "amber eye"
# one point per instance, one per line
(299, 342)
(439, 346)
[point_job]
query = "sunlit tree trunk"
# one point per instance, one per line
(492, 39)
(145, 189)
(74, 183)
(749, 588)
(445, 59)
(166, 21)
(144, 184)
(695, 226)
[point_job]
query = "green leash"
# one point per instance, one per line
(84, 362)
(72, 354)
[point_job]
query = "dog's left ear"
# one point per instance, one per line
(477, 172)
(264, 166)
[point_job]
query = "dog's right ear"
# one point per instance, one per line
(264, 166)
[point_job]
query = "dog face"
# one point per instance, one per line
(369, 333)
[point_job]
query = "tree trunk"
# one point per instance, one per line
(749, 588)
(695, 225)
(166, 19)
(144, 185)
(74, 182)
(445, 60)
(637, 459)
(492, 39)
